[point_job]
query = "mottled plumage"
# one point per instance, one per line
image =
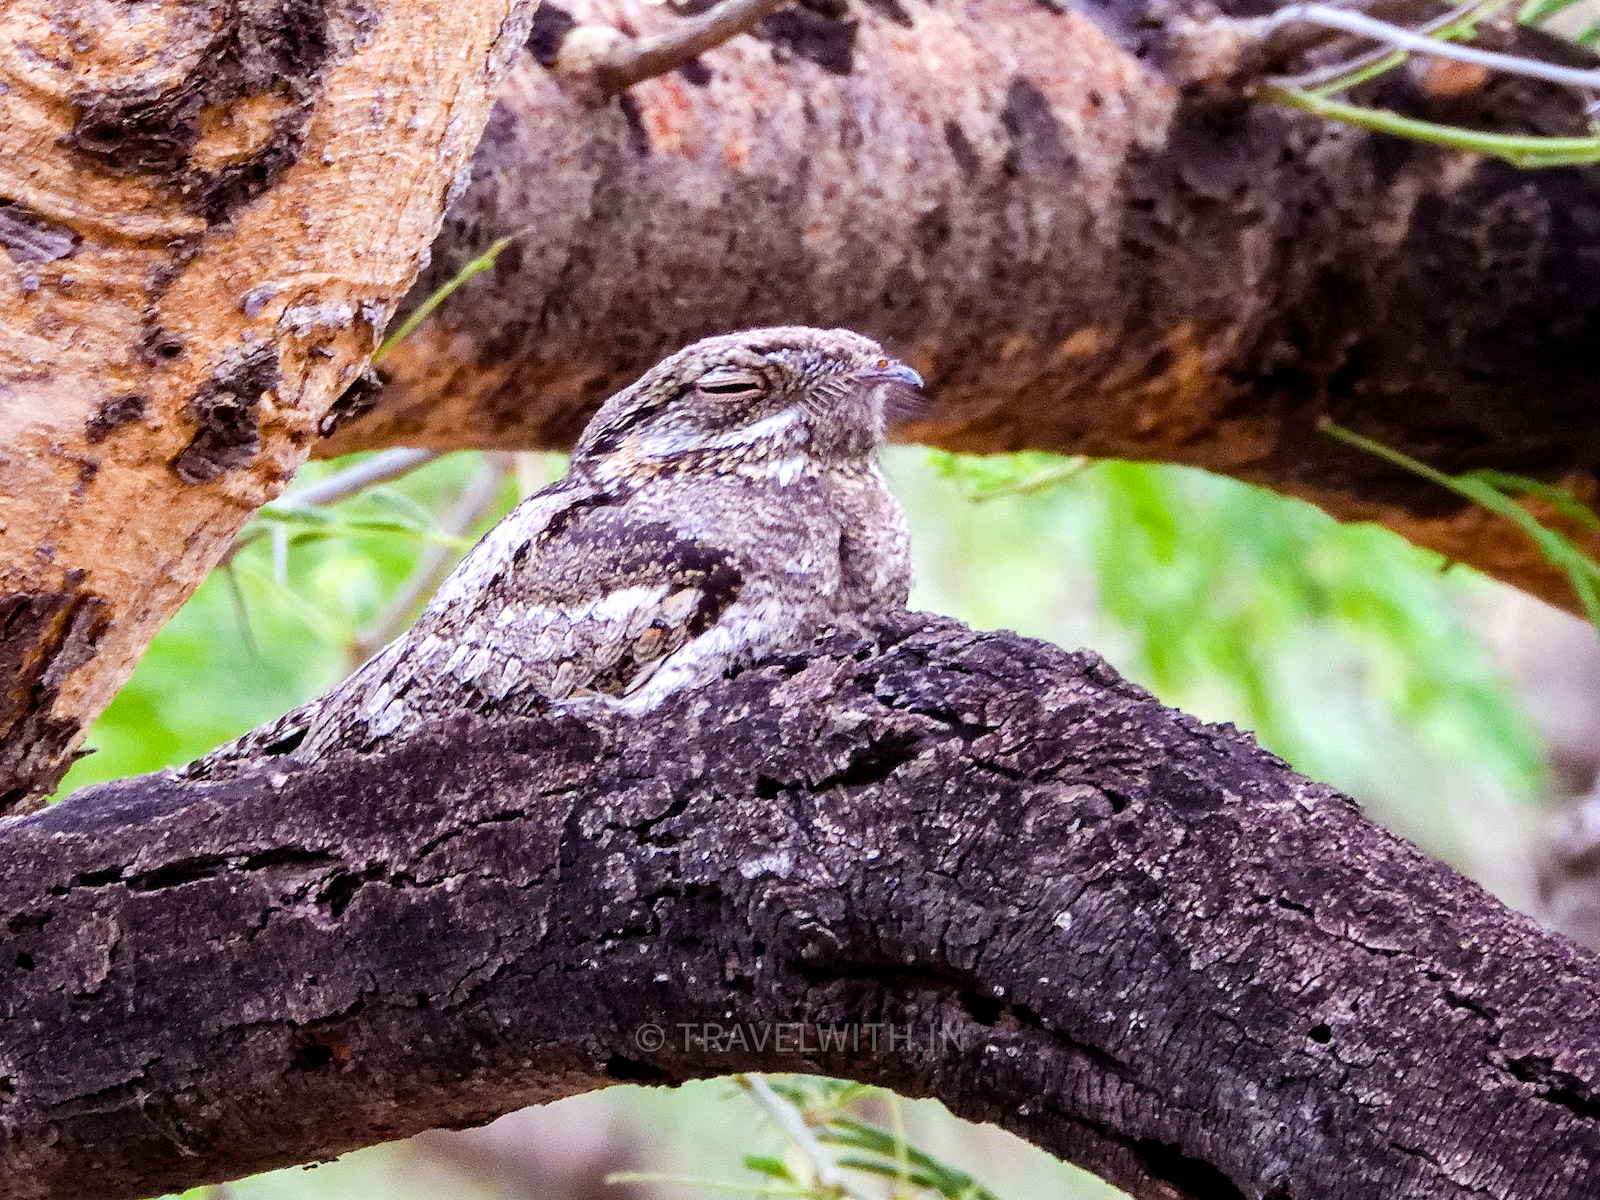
(725, 506)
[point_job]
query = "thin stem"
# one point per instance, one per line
(380, 468)
(793, 1123)
(1523, 150)
(425, 310)
(1345, 21)
(902, 1159)
(1582, 572)
(476, 501)
(1340, 76)
(647, 57)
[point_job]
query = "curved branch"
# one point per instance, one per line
(957, 864)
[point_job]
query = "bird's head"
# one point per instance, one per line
(757, 398)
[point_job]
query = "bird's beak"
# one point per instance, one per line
(903, 401)
(891, 370)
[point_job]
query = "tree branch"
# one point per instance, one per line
(1084, 233)
(204, 224)
(1005, 876)
(614, 62)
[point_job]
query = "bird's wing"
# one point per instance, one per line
(571, 594)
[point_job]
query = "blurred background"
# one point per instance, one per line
(1461, 714)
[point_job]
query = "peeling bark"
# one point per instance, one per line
(207, 213)
(1070, 220)
(1137, 940)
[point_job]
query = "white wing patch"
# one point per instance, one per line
(756, 431)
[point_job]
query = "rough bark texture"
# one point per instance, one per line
(1069, 219)
(207, 211)
(1133, 938)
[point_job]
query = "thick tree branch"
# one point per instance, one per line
(1075, 224)
(1133, 938)
(207, 215)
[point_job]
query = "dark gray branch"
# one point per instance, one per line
(1072, 219)
(1153, 948)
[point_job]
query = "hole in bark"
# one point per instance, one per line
(313, 1056)
(188, 870)
(1321, 1034)
(6, 1086)
(879, 760)
(340, 891)
(25, 962)
(767, 788)
(630, 1070)
(1191, 1176)
(985, 1010)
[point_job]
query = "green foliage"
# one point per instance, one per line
(824, 1106)
(1498, 491)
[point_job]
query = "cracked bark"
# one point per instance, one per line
(1155, 950)
(1070, 220)
(199, 242)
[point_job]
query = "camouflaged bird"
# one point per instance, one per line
(725, 506)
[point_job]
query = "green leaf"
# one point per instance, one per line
(1537, 12)
(765, 1164)
(1522, 150)
(426, 309)
(1560, 499)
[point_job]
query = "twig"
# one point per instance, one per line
(793, 1123)
(380, 468)
(1345, 21)
(424, 310)
(1523, 150)
(1353, 70)
(433, 564)
(617, 62)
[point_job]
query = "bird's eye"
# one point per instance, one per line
(728, 383)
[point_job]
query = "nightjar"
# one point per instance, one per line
(725, 506)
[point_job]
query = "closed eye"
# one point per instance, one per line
(728, 389)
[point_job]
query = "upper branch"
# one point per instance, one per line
(1133, 938)
(1088, 229)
